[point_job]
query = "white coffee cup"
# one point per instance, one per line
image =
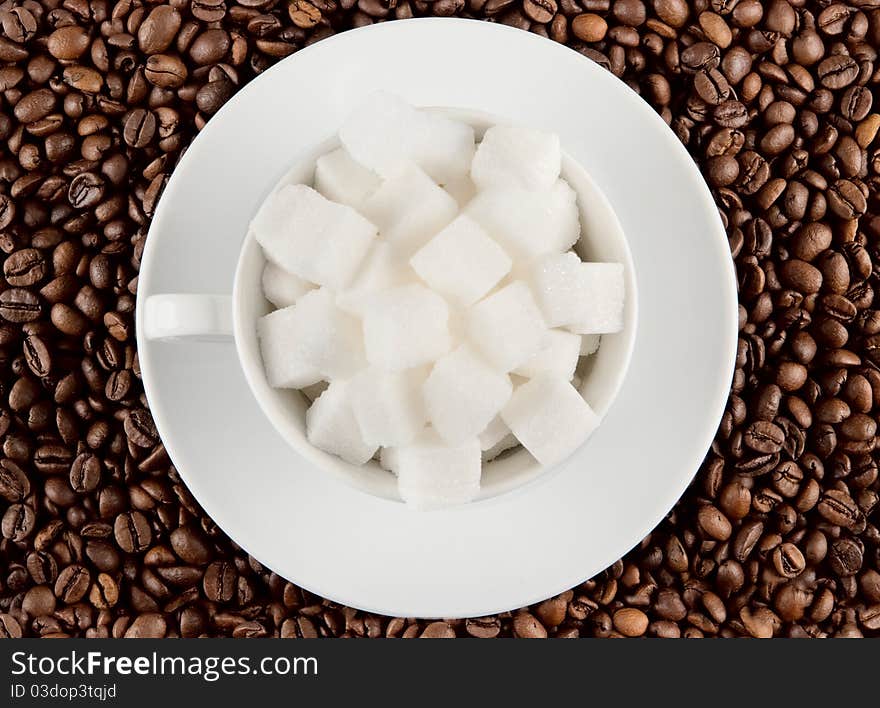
(226, 318)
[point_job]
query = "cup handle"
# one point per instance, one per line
(206, 318)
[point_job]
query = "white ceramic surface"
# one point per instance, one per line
(602, 240)
(519, 547)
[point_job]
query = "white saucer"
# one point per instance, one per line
(518, 548)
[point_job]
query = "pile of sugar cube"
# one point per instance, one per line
(428, 300)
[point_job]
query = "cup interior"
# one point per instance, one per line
(602, 374)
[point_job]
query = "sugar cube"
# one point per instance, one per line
(310, 341)
(550, 418)
(463, 393)
(444, 148)
(281, 288)
(409, 209)
(384, 133)
(381, 270)
(558, 356)
(341, 179)
(508, 442)
(388, 459)
(588, 296)
(507, 326)
(433, 475)
(511, 156)
(526, 223)
(388, 406)
(590, 343)
(307, 234)
(493, 433)
(405, 327)
(462, 189)
(461, 261)
(331, 426)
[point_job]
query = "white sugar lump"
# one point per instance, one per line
(405, 327)
(590, 343)
(462, 189)
(342, 179)
(310, 341)
(276, 342)
(434, 475)
(409, 209)
(586, 295)
(493, 433)
(558, 356)
(388, 407)
(331, 426)
(444, 148)
(550, 418)
(384, 132)
(507, 326)
(463, 393)
(508, 442)
(307, 234)
(388, 459)
(511, 156)
(461, 261)
(528, 224)
(281, 288)
(380, 270)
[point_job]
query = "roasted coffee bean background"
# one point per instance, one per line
(777, 536)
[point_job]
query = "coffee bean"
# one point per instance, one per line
(147, 626)
(9, 627)
(702, 56)
(788, 560)
(837, 71)
(589, 27)
(18, 522)
(37, 356)
(764, 437)
(846, 200)
(35, 105)
(14, 483)
(305, 15)
(132, 532)
(18, 305)
(483, 627)
(190, 546)
(868, 616)
(158, 30)
(541, 11)
(24, 268)
(630, 622)
(139, 128)
(833, 18)
(165, 71)
(72, 584)
(845, 557)
(713, 523)
(39, 601)
(104, 593)
(85, 473)
(840, 509)
(140, 429)
(86, 190)
(219, 581)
